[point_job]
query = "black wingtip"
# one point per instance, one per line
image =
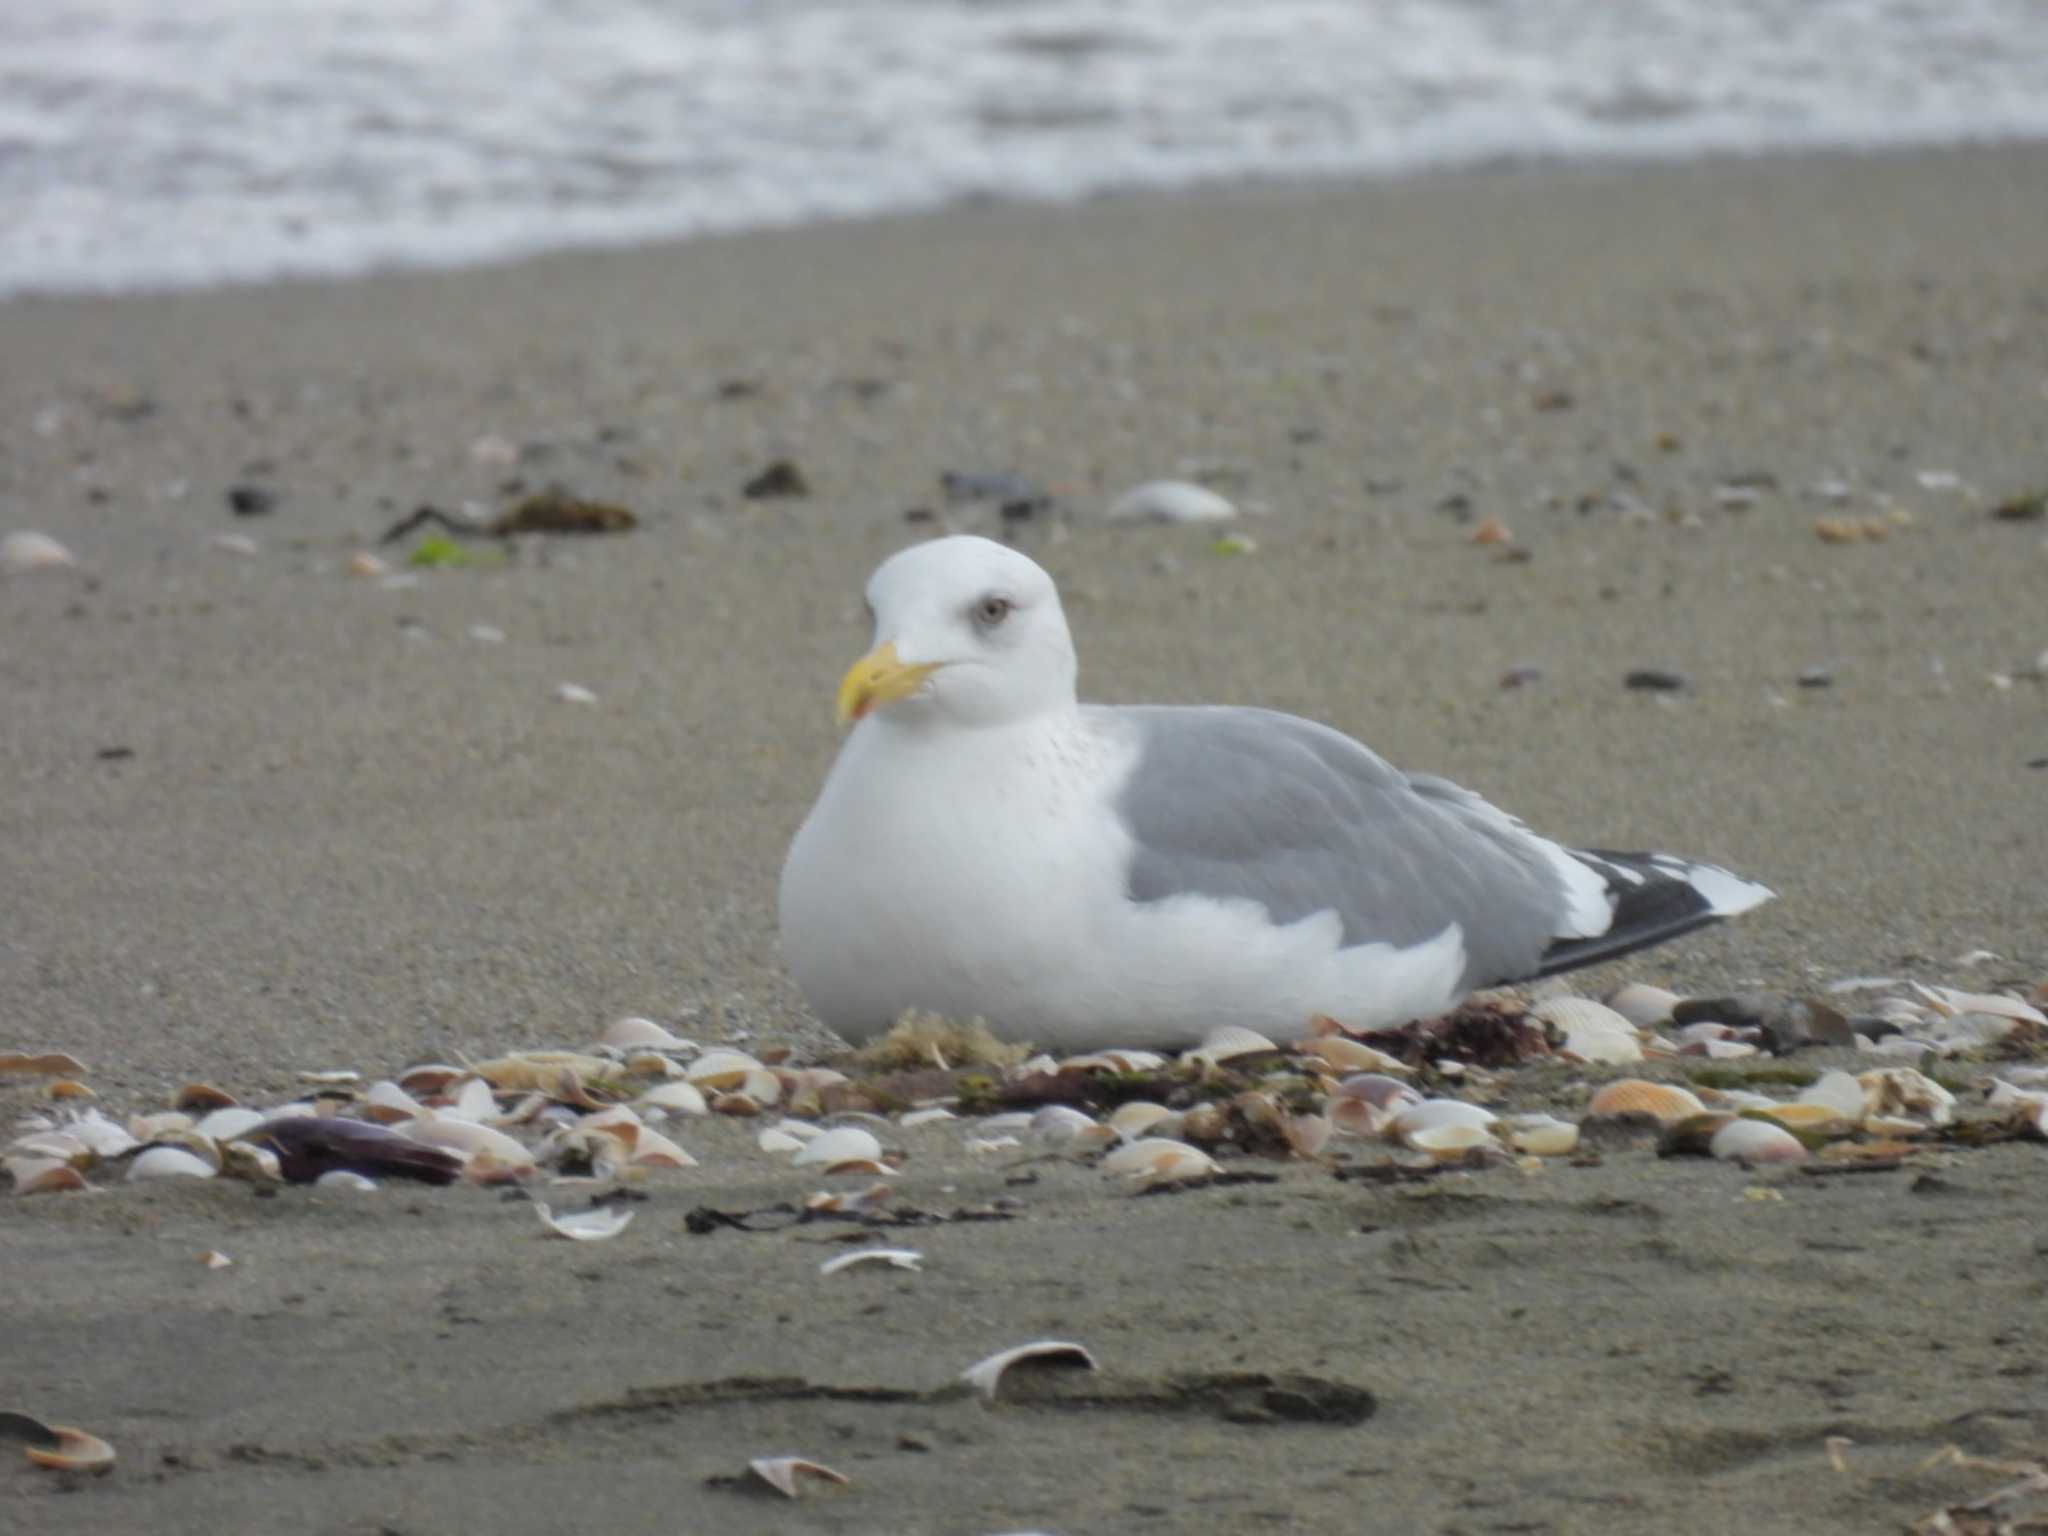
(1656, 898)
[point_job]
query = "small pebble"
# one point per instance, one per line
(1816, 677)
(251, 501)
(1654, 680)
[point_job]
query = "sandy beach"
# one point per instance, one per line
(265, 816)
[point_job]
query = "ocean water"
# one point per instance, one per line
(155, 143)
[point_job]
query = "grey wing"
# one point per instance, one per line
(1255, 805)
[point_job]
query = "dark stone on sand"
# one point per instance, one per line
(1816, 677)
(2028, 507)
(251, 501)
(1654, 680)
(1016, 498)
(781, 478)
(1784, 1023)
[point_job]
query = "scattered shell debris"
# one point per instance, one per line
(895, 1258)
(56, 1447)
(592, 1226)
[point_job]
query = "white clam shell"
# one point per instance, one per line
(34, 1175)
(1592, 1031)
(1448, 1141)
(102, 1136)
(345, 1179)
(1948, 1001)
(1228, 1043)
(1756, 1141)
(776, 1140)
(679, 1097)
(1539, 1135)
(1643, 1005)
(1170, 501)
(722, 1069)
(1156, 1160)
(1343, 1054)
(841, 1144)
(1902, 1092)
(985, 1376)
(1055, 1124)
(1838, 1091)
(911, 1119)
(387, 1103)
(635, 1031)
(31, 551)
(1436, 1114)
(897, 1258)
(1135, 1118)
(227, 1124)
(591, 1226)
(169, 1163)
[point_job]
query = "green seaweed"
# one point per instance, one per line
(1753, 1077)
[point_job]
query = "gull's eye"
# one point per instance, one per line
(991, 611)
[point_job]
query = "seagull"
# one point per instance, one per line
(1079, 875)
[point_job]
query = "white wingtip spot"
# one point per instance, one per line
(1726, 894)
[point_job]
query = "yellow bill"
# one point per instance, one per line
(879, 678)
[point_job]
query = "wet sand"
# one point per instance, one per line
(265, 816)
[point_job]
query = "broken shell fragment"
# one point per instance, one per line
(1120, 1061)
(985, 1376)
(1228, 1043)
(227, 1124)
(28, 550)
(898, 1258)
(842, 1144)
(680, 1097)
(916, 1117)
(1638, 1096)
(592, 1226)
(781, 1473)
(203, 1096)
(636, 1031)
(43, 1176)
(1449, 1143)
(1133, 1119)
(722, 1069)
(1436, 1114)
(1904, 1099)
(1170, 501)
(49, 1064)
(1343, 1054)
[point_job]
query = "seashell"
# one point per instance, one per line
(1755, 1141)
(1448, 1142)
(474, 1100)
(101, 1136)
(1133, 1119)
(345, 1178)
(1155, 1160)
(1949, 1002)
(66, 1088)
(574, 693)
(1693, 1135)
(1836, 1090)
(471, 1140)
(1901, 1093)
(389, 1104)
(1433, 1114)
(679, 1097)
(1539, 1135)
(1644, 1006)
(740, 1105)
(42, 1175)
(1056, 1124)
(62, 1448)
(1637, 1096)
(1592, 1031)
(841, 1144)
(867, 1165)
(900, 1258)
(916, 1117)
(869, 1199)
(592, 1226)
(722, 1069)
(1120, 1061)
(54, 1146)
(203, 1096)
(1380, 1091)
(537, 1072)
(1343, 1054)
(986, 1376)
(634, 1031)
(150, 1127)
(776, 1139)
(781, 1472)
(1721, 1050)
(213, 1258)
(980, 1146)
(1171, 501)
(1812, 1119)
(27, 551)
(259, 1165)
(363, 563)
(654, 1150)
(169, 1163)
(434, 1077)
(1227, 1044)
(227, 1124)
(1307, 1135)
